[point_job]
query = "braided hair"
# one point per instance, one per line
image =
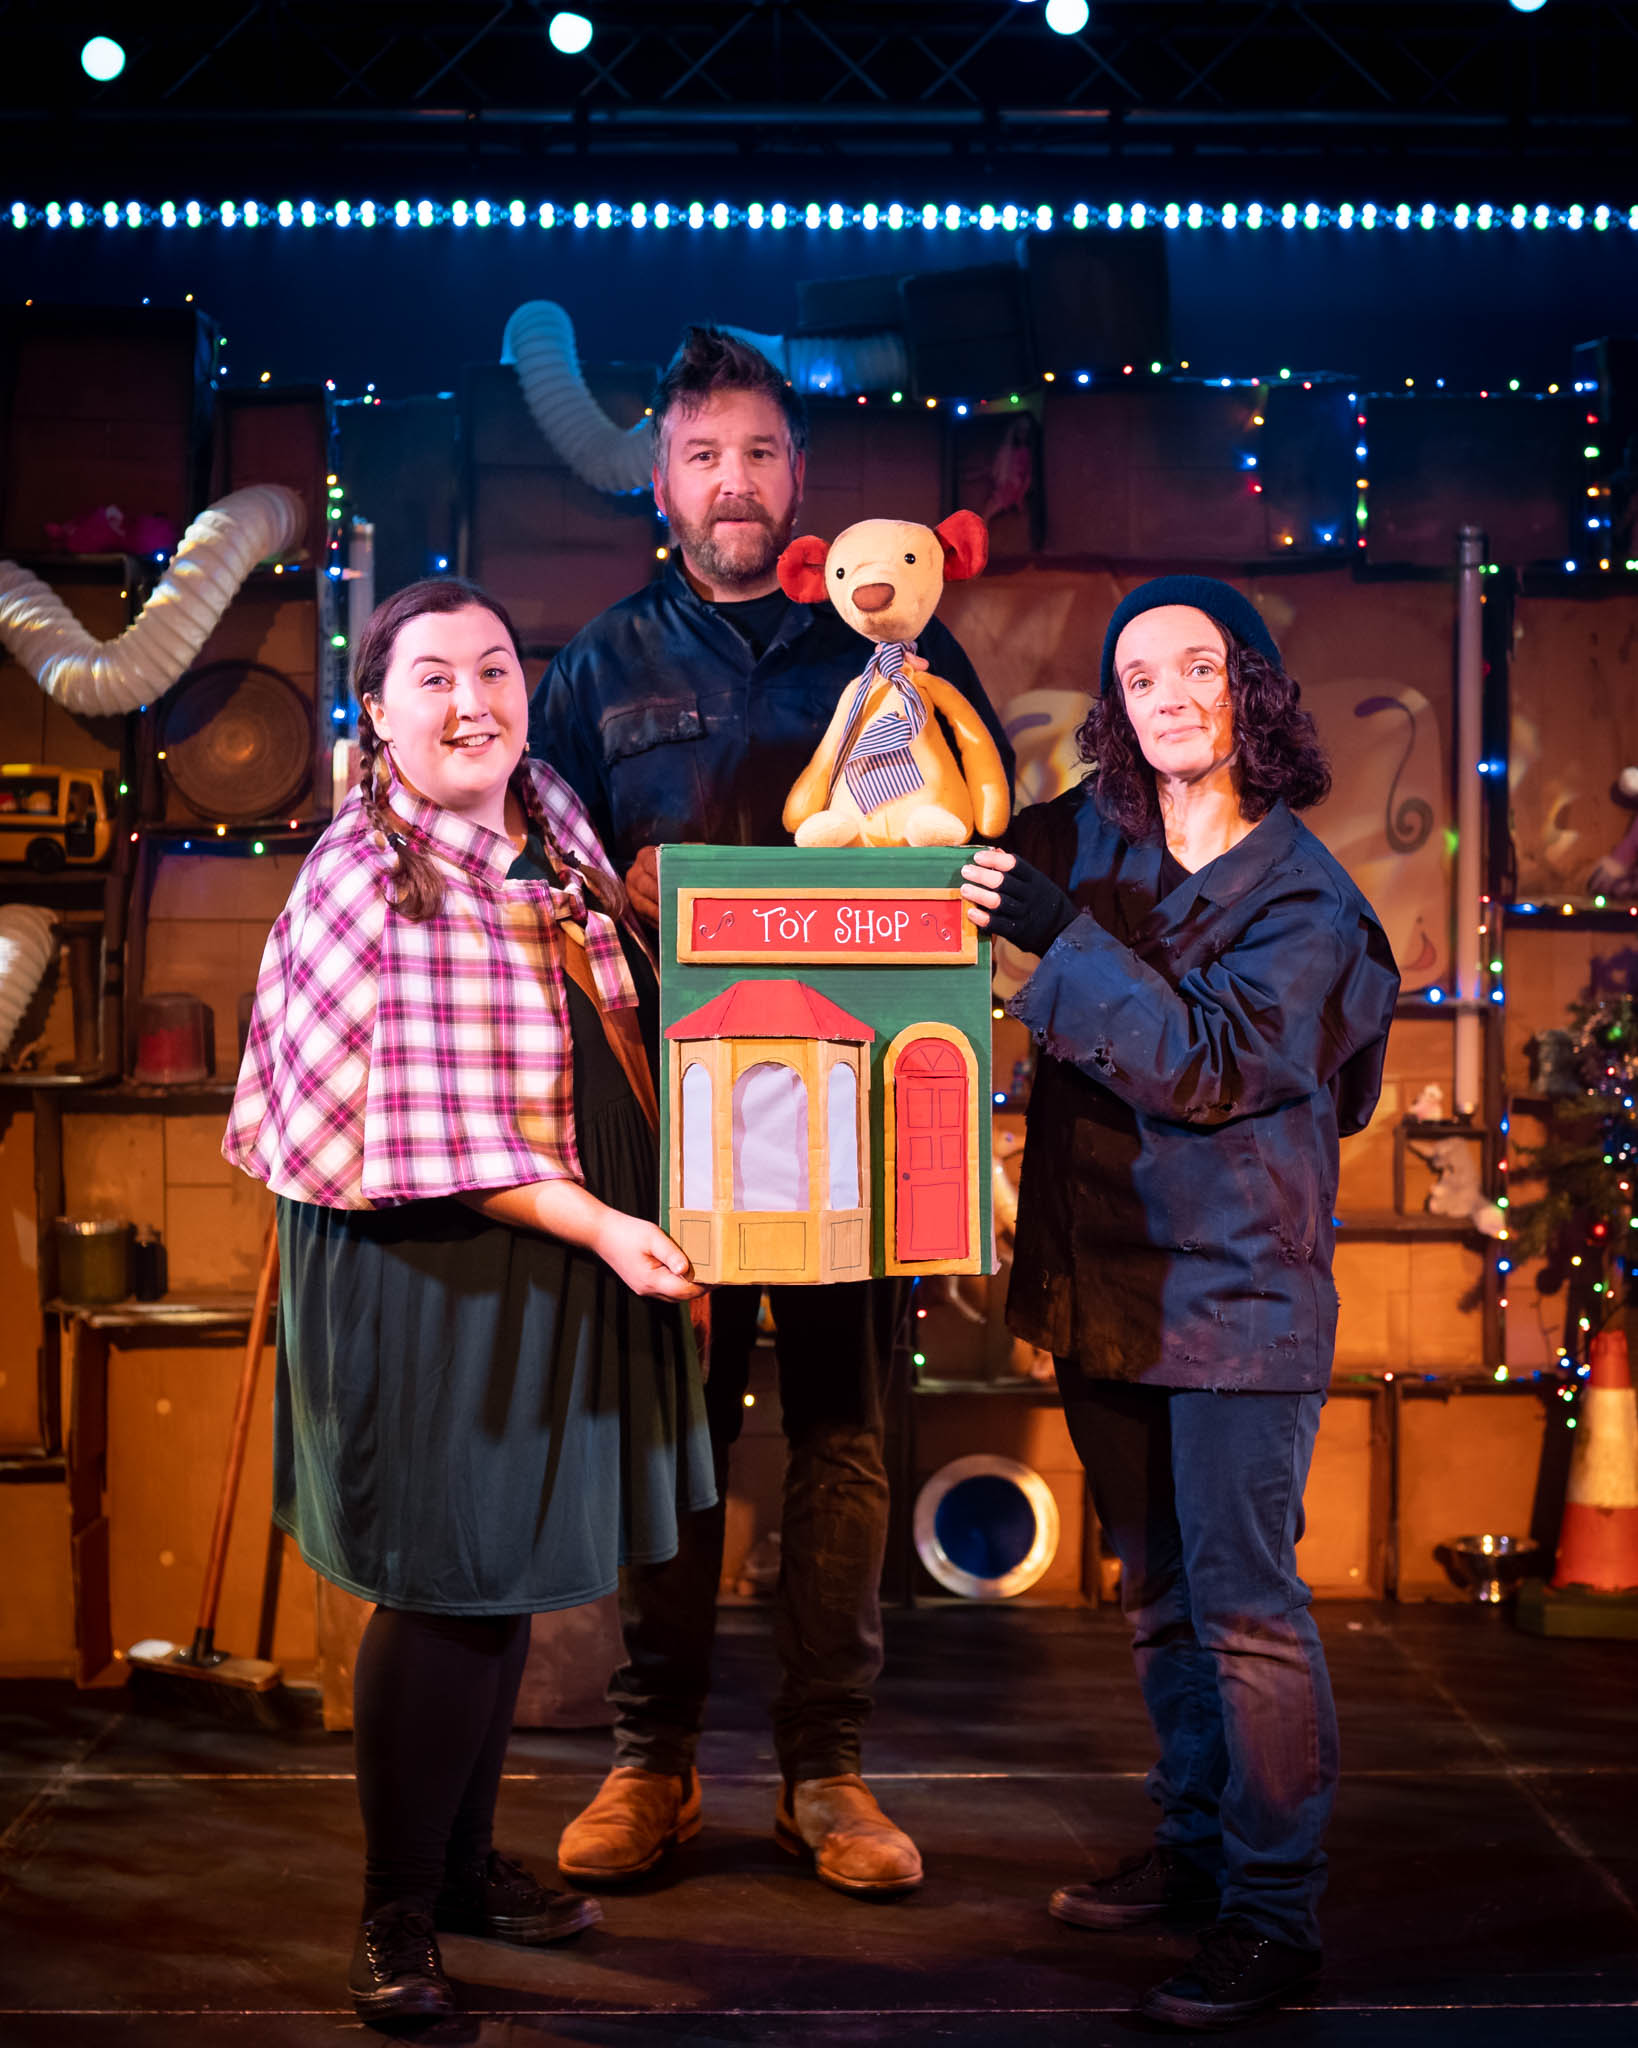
(418, 887)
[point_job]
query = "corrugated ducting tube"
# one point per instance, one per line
(539, 344)
(97, 677)
(27, 947)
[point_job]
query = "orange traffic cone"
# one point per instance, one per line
(1598, 1538)
(1594, 1591)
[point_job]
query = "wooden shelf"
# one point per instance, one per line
(108, 1095)
(237, 839)
(1036, 1389)
(46, 563)
(25, 1082)
(126, 1098)
(1365, 1224)
(21, 1469)
(20, 883)
(173, 1312)
(1570, 914)
(1418, 1008)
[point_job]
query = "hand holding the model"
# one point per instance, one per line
(643, 883)
(1014, 901)
(648, 1261)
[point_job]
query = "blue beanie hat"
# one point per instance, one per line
(1219, 601)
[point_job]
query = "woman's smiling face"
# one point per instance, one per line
(1171, 666)
(454, 709)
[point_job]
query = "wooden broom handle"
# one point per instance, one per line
(239, 1435)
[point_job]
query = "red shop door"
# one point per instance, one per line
(930, 1110)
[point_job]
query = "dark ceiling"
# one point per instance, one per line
(830, 99)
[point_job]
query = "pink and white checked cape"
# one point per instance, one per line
(389, 1061)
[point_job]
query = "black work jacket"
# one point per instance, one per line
(1201, 1053)
(667, 728)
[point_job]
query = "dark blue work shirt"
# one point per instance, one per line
(668, 728)
(1201, 1052)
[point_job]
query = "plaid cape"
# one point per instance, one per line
(390, 1061)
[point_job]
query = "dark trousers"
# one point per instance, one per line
(834, 1346)
(1200, 1497)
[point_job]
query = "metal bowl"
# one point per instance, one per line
(1489, 1567)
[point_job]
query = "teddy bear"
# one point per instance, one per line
(884, 775)
(1617, 873)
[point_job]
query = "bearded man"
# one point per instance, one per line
(685, 713)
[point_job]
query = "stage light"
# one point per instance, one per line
(1527, 6)
(102, 59)
(569, 34)
(1067, 17)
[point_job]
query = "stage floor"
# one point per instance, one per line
(171, 1887)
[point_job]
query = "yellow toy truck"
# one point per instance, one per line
(51, 818)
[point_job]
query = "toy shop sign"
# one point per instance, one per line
(906, 927)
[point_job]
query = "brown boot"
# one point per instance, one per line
(855, 1846)
(636, 1816)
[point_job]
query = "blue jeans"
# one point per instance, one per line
(1200, 1497)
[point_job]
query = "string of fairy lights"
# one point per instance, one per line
(871, 216)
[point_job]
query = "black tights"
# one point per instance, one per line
(433, 1698)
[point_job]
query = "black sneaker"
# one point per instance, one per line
(501, 1901)
(1162, 1884)
(1237, 1973)
(396, 1969)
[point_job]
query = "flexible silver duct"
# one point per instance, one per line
(96, 677)
(28, 945)
(539, 344)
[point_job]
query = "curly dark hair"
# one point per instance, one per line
(1277, 747)
(710, 361)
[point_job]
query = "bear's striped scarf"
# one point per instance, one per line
(877, 763)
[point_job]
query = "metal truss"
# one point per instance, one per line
(759, 83)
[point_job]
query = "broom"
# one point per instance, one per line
(165, 1676)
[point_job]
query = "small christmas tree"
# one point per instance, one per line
(1582, 1224)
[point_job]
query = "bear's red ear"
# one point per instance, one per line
(965, 540)
(802, 569)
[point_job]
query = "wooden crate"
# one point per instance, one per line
(1152, 474)
(279, 435)
(32, 727)
(552, 549)
(872, 461)
(37, 1614)
(102, 406)
(277, 623)
(1467, 1466)
(169, 1411)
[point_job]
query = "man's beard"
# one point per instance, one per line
(732, 560)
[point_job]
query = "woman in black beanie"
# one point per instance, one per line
(1212, 1006)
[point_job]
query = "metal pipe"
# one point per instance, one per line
(360, 584)
(1467, 951)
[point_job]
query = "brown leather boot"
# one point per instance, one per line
(854, 1845)
(636, 1816)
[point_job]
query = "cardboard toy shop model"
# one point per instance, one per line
(825, 1103)
(826, 1007)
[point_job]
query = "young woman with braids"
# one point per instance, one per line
(1212, 1006)
(487, 1397)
